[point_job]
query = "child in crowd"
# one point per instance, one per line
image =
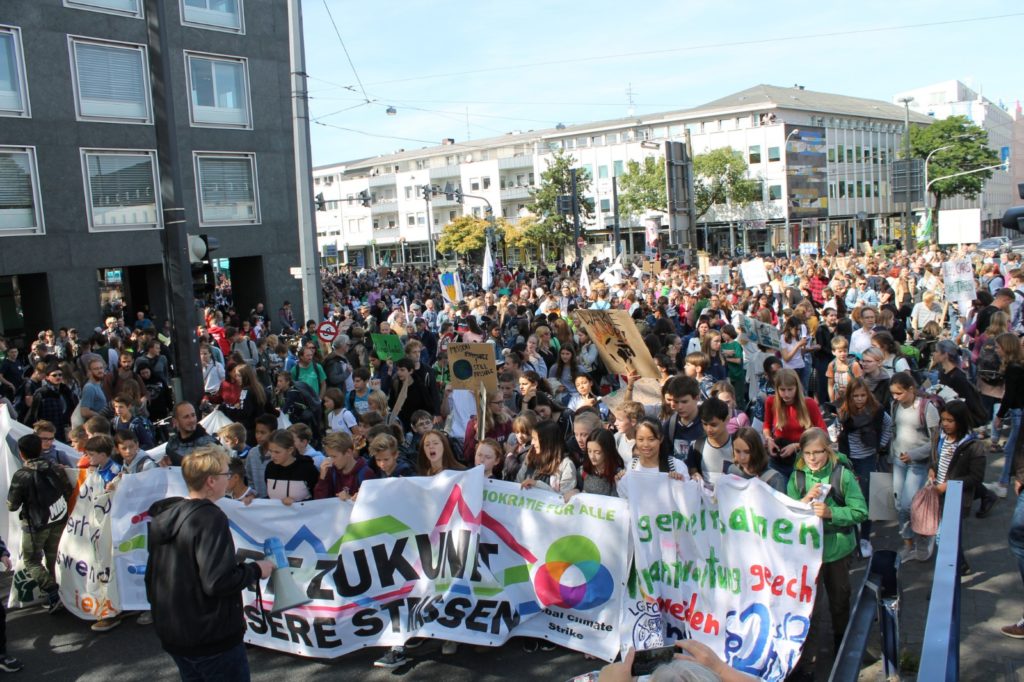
(489, 455)
(259, 455)
(585, 396)
(125, 419)
(384, 451)
(627, 415)
(356, 399)
(290, 477)
(750, 460)
(238, 487)
(788, 414)
(303, 445)
(726, 392)
(682, 427)
(435, 455)
(841, 370)
(422, 422)
(337, 417)
(650, 455)
(602, 463)
(765, 386)
(732, 351)
(696, 367)
(100, 450)
(342, 471)
(133, 459)
(582, 425)
(546, 465)
(711, 345)
(711, 456)
(519, 444)
(232, 436)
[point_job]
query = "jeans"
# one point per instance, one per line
(907, 479)
(805, 377)
(228, 666)
(821, 380)
(863, 468)
(1011, 444)
(39, 551)
(1016, 538)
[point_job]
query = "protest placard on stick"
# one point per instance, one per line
(472, 364)
(618, 342)
(387, 346)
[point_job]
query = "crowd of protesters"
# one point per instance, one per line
(874, 370)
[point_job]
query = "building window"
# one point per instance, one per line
(474, 184)
(21, 210)
(606, 205)
(128, 8)
(410, 220)
(218, 91)
(841, 153)
(831, 154)
(602, 172)
(487, 183)
(773, 154)
(831, 191)
(13, 83)
(223, 15)
(774, 192)
(111, 81)
(120, 189)
(619, 167)
(860, 189)
(849, 155)
(227, 188)
(754, 153)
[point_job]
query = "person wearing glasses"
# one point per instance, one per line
(53, 401)
(193, 581)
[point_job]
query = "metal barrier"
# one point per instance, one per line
(878, 598)
(940, 652)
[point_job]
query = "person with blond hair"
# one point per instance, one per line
(193, 582)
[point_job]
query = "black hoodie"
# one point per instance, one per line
(193, 582)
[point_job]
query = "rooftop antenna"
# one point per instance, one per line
(629, 95)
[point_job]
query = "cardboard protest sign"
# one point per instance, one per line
(618, 341)
(769, 336)
(832, 248)
(842, 264)
(719, 275)
(472, 364)
(703, 262)
(735, 571)
(867, 248)
(750, 329)
(387, 346)
(958, 279)
(754, 273)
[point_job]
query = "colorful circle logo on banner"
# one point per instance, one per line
(462, 369)
(572, 576)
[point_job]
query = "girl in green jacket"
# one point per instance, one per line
(840, 511)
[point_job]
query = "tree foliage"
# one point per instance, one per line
(558, 229)
(720, 177)
(967, 149)
(463, 235)
(642, 187)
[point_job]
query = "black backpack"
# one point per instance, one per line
(47, 503)
(989, 364)
(306, 408)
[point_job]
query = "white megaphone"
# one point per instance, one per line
(287, 593)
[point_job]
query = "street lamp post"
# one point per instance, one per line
(789, 238)
(908, 230)
(429, 191)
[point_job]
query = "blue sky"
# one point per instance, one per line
(470, 70)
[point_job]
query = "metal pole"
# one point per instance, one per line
(177, 266)
(785, 196)
(616, 229)
(907, 227)
(575, 215)
(427, 191)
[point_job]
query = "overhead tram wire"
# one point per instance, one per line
(347, 55)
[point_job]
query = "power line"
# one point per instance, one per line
(705, 46)
(347, 56)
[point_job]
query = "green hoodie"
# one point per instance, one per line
(840, 540)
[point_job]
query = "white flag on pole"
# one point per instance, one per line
(584, 279)
(488, 276)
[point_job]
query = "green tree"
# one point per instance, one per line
(557, 229)
(642, 187)
(463, 235)
(527, 234)
(966, 148)
(720, 177)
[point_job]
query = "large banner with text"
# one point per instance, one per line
(736, 571)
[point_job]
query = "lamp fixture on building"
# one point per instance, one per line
(391, 111)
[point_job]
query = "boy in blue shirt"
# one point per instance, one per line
(99, 450)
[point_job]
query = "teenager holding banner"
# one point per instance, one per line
(546, 466)
(787, 415)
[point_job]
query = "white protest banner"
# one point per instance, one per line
(88, 583)
(719, 275)
(735, 571)
(958, 280)
(769, 335)
(754, 273)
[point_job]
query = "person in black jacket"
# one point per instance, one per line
(193, 581)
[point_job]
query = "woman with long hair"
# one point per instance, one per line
(435, 455)
(497, 423)
(915, 433)
(893, 360)
(533, 360)
(987, 362)
(1008, 346)
(564, 372)
(601, 464)
(546, 465)
(711, 345)
(252, 401)
(865, 429)
(794, 341)
(518, 443)
(787, 414)
(750, 460)
(874, 375)
(648, 454)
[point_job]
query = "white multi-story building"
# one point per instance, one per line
(954, 98)
(830, 154)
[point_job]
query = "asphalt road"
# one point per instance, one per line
(62, 647)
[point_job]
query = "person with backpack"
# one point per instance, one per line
(1008, 346)
(309, 371)
(915, 419)
(824, 480)
(988, 370)
(296, 400)
(337, 366)
(40, 492)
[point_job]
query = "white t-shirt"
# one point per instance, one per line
(624, 446)
(341, 420)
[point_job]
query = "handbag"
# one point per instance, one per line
(925, 511)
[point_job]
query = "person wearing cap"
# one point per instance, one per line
(337, 366)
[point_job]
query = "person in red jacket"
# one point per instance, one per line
(787, 414)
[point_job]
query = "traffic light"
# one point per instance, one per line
(321, 205)
(565, 204)
(365, 199)
(427, 190)
(199, 249)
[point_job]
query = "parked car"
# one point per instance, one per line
(994, 244)
(1017, 245)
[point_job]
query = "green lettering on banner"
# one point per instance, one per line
(780, 529)
(387, 346)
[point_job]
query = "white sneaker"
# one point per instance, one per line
(998, 489)
(865, 549)
(907, 554)
(925, 549)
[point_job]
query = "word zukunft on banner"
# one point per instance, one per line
(448, 557)
(736, 572)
